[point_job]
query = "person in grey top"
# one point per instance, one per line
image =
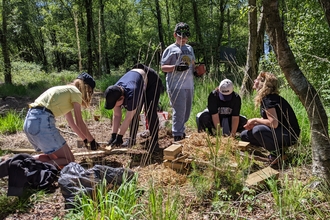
(178, 62)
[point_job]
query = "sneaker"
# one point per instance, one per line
(145, 134)
(128, 143)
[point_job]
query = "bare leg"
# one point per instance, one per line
(59, 158)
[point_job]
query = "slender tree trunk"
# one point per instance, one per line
(326, 7)
(260, 40)
(199, 35)
(196, 20)
(58, 61)
(306, 92)
(75, 17)
(105, 64)
(251, 60)
(222, 7)
(160, 27)
(88, 7)
(3, 38)
(170, 33)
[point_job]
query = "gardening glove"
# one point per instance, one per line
(118, 142)
(181, 67)
(94, 145)
(86, 143)
(112, 139)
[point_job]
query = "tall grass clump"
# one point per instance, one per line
(120, 203)
(162, 205)
(12, 122)
(294, 199)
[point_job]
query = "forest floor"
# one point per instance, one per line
(53, 204)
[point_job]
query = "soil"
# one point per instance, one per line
(53, 204)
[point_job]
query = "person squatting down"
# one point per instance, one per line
(39, 125)
(223, 111)
(178, 62)
(278, 126)
(140, 86)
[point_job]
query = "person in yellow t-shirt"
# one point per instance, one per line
(39, 125)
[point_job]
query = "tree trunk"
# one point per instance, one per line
(199, 38)
(105, 64)
(3, 38)
(251, 67)
(160, 27)
(168, 25)
(75, 18)
(306, 92)
(326, 7)
(88, 6)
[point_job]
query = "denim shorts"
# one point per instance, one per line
(40, 129)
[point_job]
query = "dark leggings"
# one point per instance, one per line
(150, 102)
(271, 139)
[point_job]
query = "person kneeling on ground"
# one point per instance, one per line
(278, 126)
(223, 111)
(140, 86)
(39, 124)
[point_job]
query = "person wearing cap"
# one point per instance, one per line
(178, 62)
(278, 126)
(140, 86)
(223, 111)
(39, 125)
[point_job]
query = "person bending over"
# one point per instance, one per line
(39, 125)
(140, 86)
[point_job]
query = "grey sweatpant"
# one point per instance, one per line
(181, 102)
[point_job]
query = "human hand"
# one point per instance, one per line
(94, 145)
(118, 141)
(200, 70)
(112, 139)
(182, 67)
(249, 124)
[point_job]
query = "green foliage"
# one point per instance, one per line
(11, 122)
(11, 205)
(121, 203)
(29, 80)
(162, 205)
(291, 196)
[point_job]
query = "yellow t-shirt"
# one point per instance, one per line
(59, 99)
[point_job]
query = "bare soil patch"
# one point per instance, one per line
(196, 146)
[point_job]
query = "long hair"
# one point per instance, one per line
(86, 92)
(269, 86)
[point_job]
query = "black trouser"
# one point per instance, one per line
(269, 138)
(205, 123)
(150, 100)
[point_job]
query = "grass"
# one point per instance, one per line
(11, 122)
(218, 185)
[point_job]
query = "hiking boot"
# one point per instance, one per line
(179, 138)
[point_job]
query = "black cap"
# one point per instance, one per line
(112, 94)
(182, 29)
(88, 79)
